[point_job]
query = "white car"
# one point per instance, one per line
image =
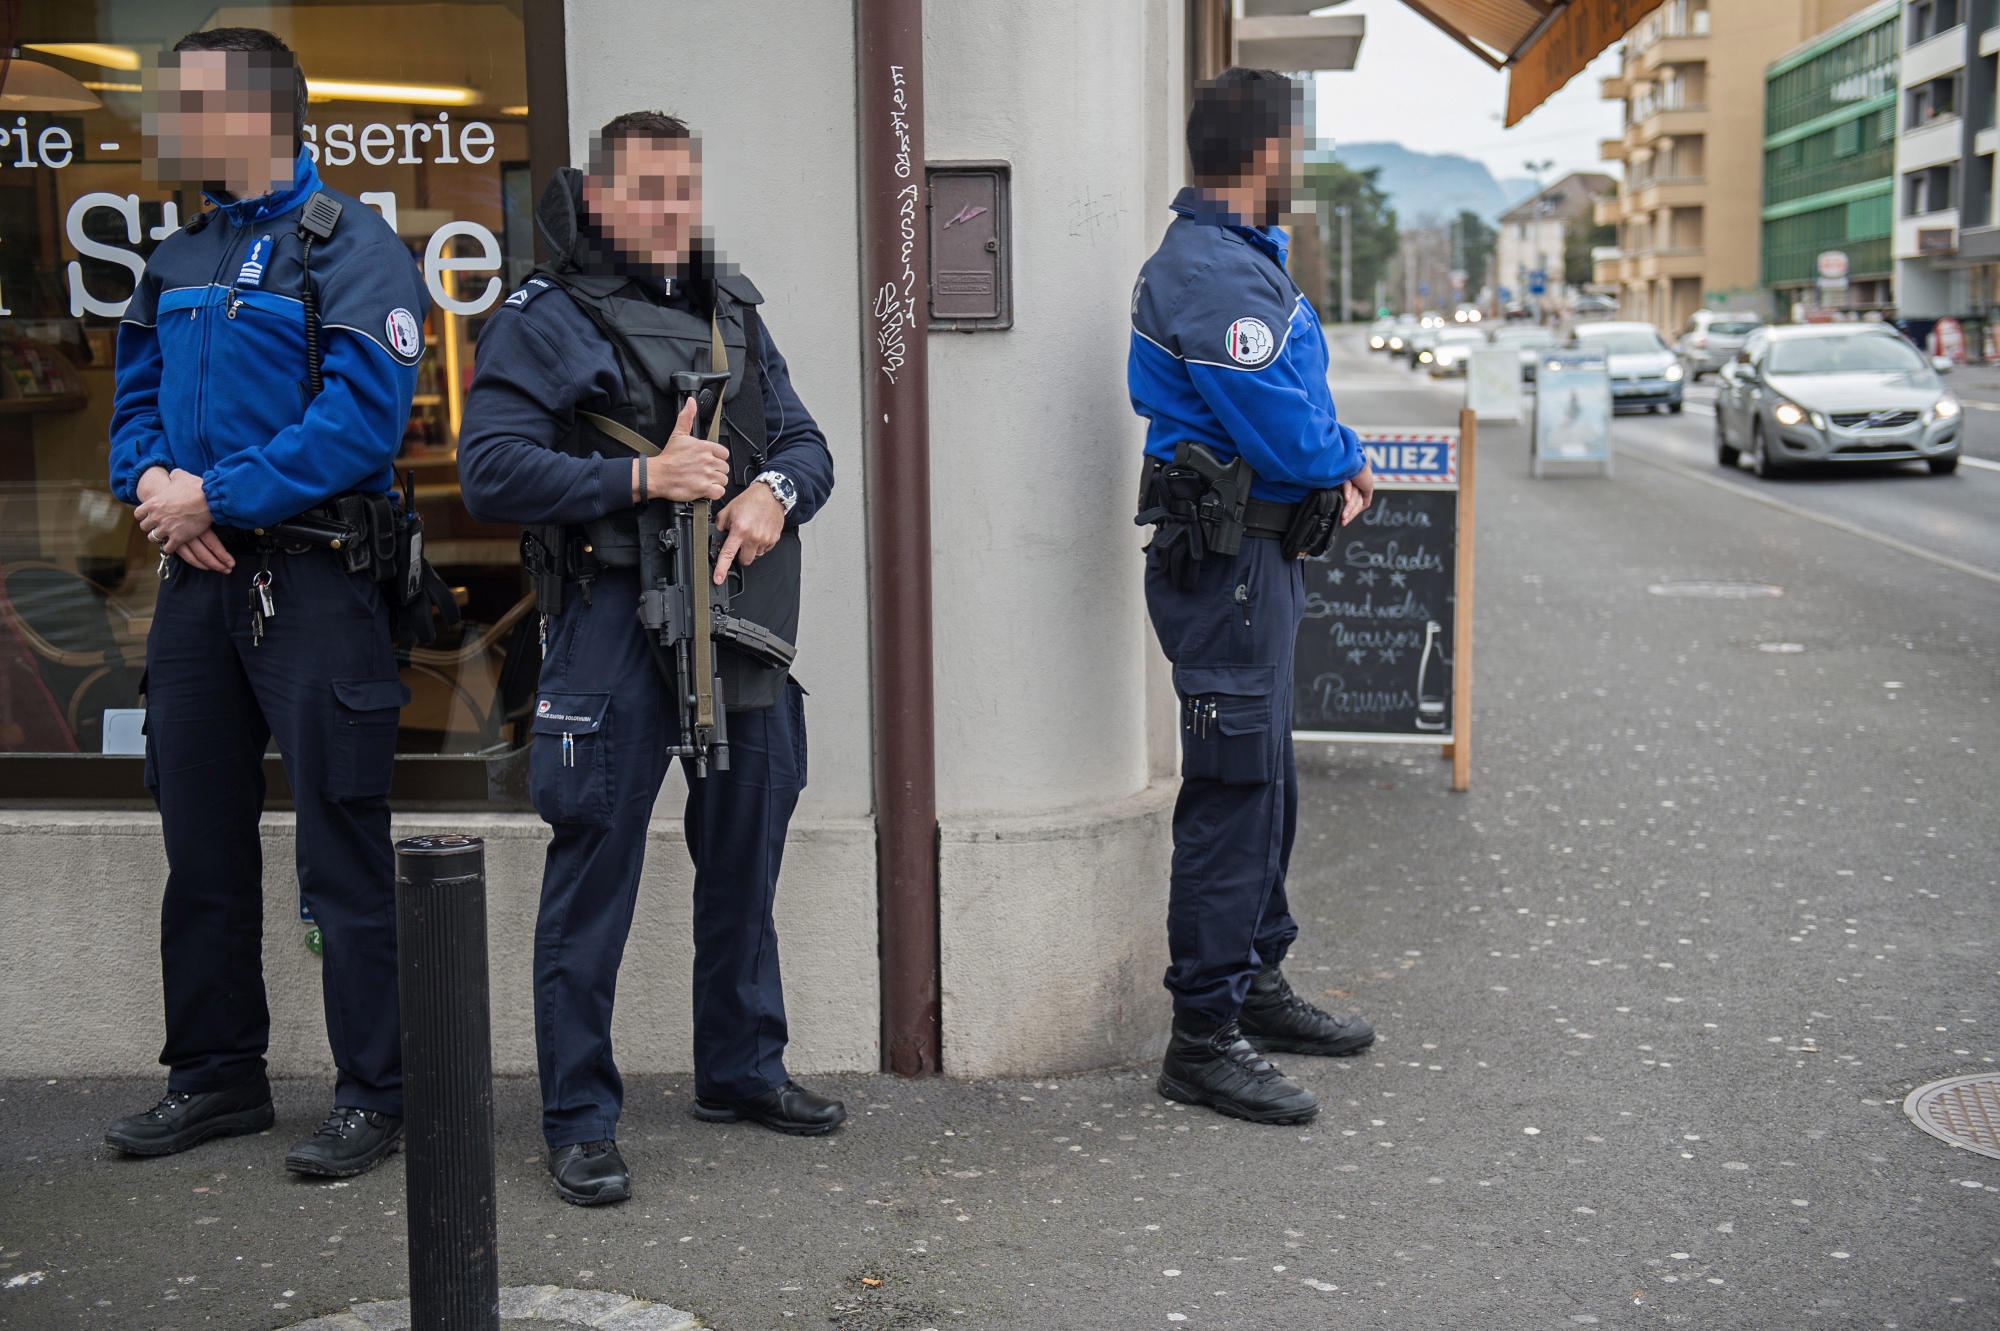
(1453, 348)
(1645, 373)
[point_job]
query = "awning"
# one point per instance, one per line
(1542, 43)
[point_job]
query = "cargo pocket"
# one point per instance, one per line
(363, 752)
(1226, 723)
(569, 772)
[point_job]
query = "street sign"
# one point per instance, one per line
(1538, 283)
(1572, 409)
(1385, 648)
(1833, 266)
(1423, 288)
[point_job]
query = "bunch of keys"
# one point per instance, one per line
(261, 605)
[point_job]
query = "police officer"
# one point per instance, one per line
(574, 367)
(1246, 470)
(217, 435)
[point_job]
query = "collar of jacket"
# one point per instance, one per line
(1197, 206)
(275, 203)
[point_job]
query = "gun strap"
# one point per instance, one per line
(704, 643)
(624, 434)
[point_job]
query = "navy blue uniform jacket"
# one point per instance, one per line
(212, 358)
(542, 361)
(1227, 352)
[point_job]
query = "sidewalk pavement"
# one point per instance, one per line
(1651, 995)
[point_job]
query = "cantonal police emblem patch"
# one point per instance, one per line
(1248, 341)
(405, 339)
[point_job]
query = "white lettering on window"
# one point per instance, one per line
(436, 264)
(81, 302)
(383, 202)
(445, 158)
(476, 134)
(410, 132)
(377, 136)
(21, 137)
(311, 134)
(53, 147)
(339, 145)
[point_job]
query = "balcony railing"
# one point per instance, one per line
(1673, 19)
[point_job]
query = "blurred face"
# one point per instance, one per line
(221, 118)
(645, 196)
(1277, 172)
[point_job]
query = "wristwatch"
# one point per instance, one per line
(781, 486)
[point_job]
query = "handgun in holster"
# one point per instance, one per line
(1195, 504)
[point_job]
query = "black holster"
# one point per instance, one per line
(1195, 504)
(373, 534)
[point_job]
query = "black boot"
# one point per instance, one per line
(1218, 1068)
(1278, 1021)
(349, 1142)
(790, 1109)
(182, 1120)
(590, 1173)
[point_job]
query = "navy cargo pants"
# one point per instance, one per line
(323, 682)
(604, 720)
(1230, 640)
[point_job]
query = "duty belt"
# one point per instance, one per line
(1261, 517)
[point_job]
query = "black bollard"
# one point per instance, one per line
(447, 1083)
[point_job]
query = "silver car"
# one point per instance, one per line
(1453, 348)
(1712, 339)
(1833, 393)
(1645, 376)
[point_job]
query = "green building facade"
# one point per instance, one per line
(1830, 158)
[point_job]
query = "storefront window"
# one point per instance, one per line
(418, 110)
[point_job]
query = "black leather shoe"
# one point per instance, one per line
(590, 1173)
(790, 1108)
(182, 1120)
(1219, 1069)
(349, 1142)
(1277, 1021)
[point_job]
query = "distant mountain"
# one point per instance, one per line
(1438, 185)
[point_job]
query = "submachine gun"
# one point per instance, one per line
(680, 604)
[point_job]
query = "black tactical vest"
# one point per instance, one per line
(652, 342)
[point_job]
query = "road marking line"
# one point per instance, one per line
(1826, 520)
(1980, 463)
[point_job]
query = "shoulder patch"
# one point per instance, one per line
(406, 339)
(534, 287)
(1249, 341)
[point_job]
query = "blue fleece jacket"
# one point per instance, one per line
(211, 361)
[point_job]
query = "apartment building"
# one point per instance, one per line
(1830, 131)
(1535, 234)
(1946, 241)
(1688, 217)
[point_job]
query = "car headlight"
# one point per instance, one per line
(1674, 373)
(1395, 344)
(1374, 344)
(1424, 357)
(1789, 413)
(1945, 408)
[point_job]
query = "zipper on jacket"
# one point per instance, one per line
(202, 357)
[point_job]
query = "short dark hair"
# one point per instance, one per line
(254, 39)
(1234, 115)
(634, 125)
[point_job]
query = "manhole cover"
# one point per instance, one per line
(1964, 1111)
(1716, 591)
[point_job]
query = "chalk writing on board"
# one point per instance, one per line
(1373, 649)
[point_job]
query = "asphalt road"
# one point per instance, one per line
(1651, 995)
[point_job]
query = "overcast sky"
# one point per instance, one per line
(1415, 86)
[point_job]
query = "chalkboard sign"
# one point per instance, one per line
(1384, 651)
(1376, 647)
